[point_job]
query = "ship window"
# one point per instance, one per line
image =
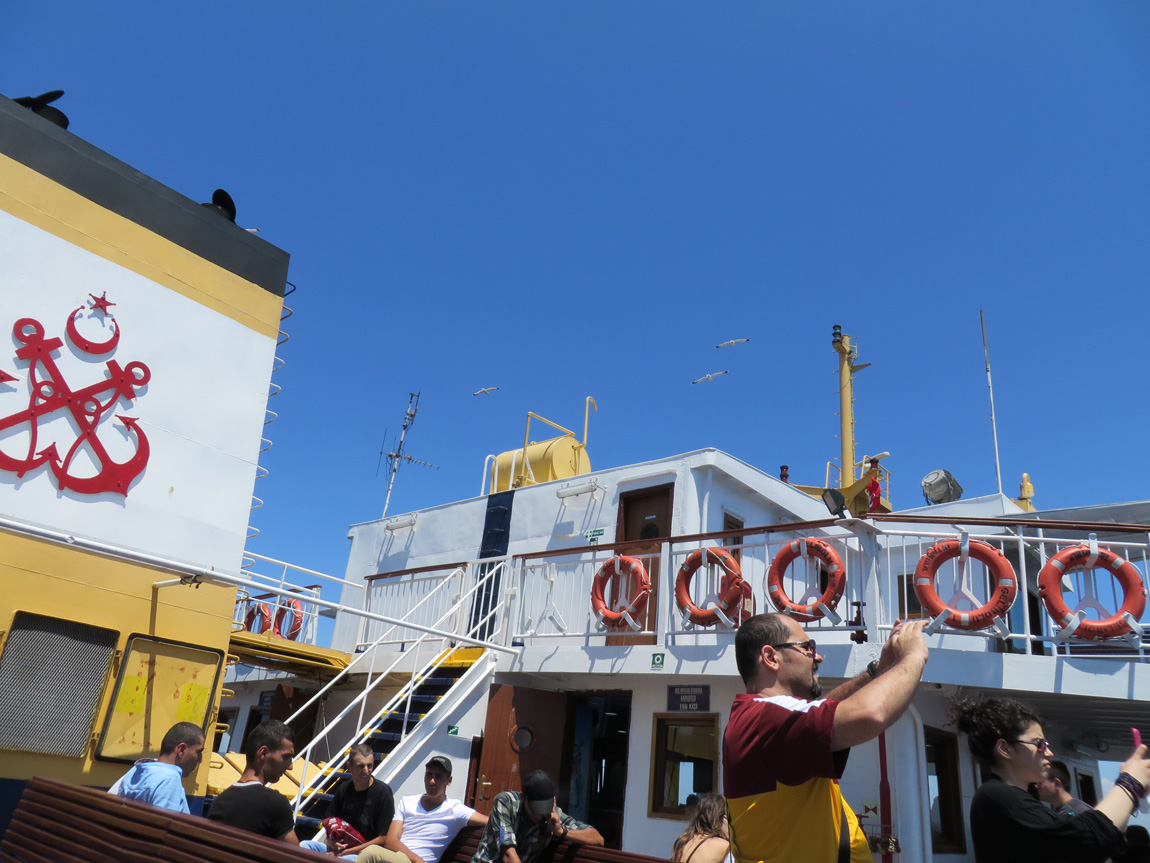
(944, 790)
(732, 523)
(684, 763)
(160, 683)
(52, 674)
(909, 608)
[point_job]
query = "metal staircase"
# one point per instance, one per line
(398, 731)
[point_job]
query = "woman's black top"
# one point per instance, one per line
(1010, 826)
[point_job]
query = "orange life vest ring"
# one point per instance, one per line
(289, 619)
(1080, 557)
(830, 561)
(1002, 594)
(730, 588)
(640, 592)
(259, 618)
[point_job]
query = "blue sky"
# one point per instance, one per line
(565, 200)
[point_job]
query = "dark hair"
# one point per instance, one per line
(181, 732)
(1059, 771)
(271, 734)
(750, 638)
(987, 722)
(1137, 835)
(706, 822)
(363, 750)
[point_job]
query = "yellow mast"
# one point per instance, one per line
(842, 344)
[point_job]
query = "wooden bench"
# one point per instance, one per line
(56, 822)
(462, 849)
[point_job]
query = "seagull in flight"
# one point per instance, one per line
(731, 342)
(485, 391)
(709, 377)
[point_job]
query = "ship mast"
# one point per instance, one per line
(847, 368)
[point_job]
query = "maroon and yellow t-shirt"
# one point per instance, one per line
(780, 779)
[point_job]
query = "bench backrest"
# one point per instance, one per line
(56, 822)
(462, 848)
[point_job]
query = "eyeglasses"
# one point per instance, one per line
(1039, 743)
(807, 646)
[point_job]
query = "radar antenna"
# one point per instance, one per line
(396, 457)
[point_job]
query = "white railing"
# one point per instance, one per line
(270, 574)
(554, 599)
(427, 596)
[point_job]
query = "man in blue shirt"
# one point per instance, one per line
(159, 781)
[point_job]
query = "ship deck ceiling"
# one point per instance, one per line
(1099, 727)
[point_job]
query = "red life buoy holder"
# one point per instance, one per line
(826, 556)
(259, 618)
(1080, 557)
(640, 592)
(1002, 593)
(730, 588)
(289, 619)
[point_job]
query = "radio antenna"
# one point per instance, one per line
(990, 386)
(398, 456)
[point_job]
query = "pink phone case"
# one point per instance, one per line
(1137, 737)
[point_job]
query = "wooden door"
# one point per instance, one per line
(523, 732)
(645, 514)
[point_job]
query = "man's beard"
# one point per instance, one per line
(816, 687)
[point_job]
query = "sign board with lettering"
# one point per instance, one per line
(688, 699)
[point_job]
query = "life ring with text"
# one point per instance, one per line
(1002, 593)
(639, 593)
(828, 559)
(259, 618)
(289, 619)
(1080, 557)
(730, 588)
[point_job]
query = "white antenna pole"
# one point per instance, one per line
(394, 459)
(990, 386)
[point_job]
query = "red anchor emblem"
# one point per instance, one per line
(87, 407)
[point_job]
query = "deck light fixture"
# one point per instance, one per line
(400, 523)
(836, 503)
(583, 488)
(939, 486)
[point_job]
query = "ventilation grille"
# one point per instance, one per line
(51, 676)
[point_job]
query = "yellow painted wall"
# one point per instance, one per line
(63, 582)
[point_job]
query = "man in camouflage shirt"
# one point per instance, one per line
(523, 823)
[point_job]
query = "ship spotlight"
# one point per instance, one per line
(223, 204)
(836, 503)
(40, 106)
(939, 486)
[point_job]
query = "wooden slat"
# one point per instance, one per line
(56, 822)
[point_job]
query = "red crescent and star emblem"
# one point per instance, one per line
(50, 396)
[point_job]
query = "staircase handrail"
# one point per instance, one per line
(346, 671)
(306, 785)
(404, 692)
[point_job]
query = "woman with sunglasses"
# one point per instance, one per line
(1010, 826)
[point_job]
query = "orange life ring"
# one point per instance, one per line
(730, 588)
(1079, 557)
(641, 591)
(1002, 594)
(289, 619)
(259, 618)
(830, 561)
